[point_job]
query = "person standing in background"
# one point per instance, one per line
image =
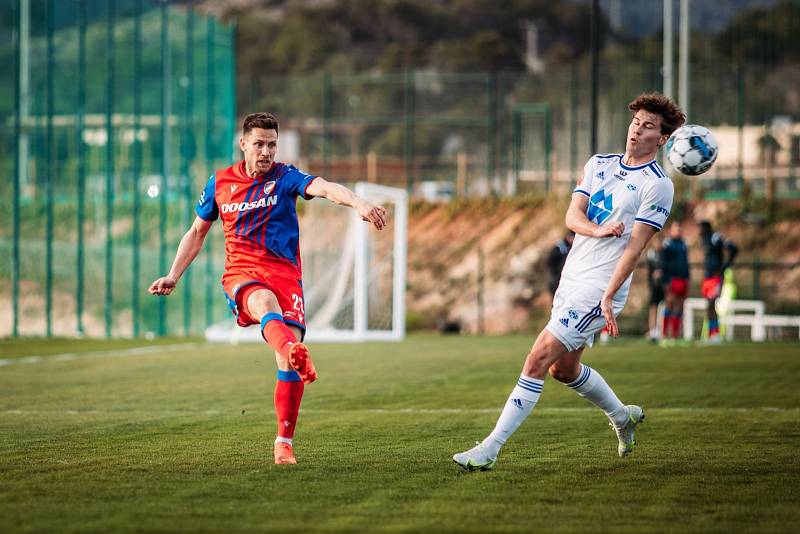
(714, 246)
(675, 268)
(656, 287)
(556, 259)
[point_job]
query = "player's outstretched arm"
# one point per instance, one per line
(640, 236)
(190, 246)
(339, 194)
(578, 222)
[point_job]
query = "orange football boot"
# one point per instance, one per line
(300, 360)
(284, 454)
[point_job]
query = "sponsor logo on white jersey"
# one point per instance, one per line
(659, 209)
(246, 206)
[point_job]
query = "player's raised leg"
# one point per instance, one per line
(546, 350)
(590, 385)
(263, 303)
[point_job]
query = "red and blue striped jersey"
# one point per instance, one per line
(259, 216)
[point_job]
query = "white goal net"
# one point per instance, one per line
(354, 276)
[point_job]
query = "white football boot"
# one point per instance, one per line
(625, 432)
(475, 459)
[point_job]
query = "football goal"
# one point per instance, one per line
(354, 277)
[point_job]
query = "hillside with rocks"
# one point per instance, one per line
(512, 238)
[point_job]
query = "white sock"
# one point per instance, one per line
(591, 386)
(279, 439)
(519, 405)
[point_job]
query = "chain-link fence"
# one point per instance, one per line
(511, 132)
(114, 111)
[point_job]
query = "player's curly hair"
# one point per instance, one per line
(266, 121)
(672, 117)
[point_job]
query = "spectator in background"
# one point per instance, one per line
(656, 289)
(714, 246)
(675, 268)
(726, 296)
(556, 260)
(768, 147)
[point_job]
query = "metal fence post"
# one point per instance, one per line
(137, 166)
(327, 97)
(186, 157)
(110, 57)
(231, 119)
(48, 177)
(573, 125)
(548, 148)
(81, 193)
(410, 126)
(166, 71)
(209, 157)
(757, 278)
(15, 267)
(740, 126)
(516, 146)
(594, 38)
(491, 126)
(481, 276)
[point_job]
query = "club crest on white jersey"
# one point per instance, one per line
(617, 193)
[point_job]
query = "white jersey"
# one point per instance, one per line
(616, 192)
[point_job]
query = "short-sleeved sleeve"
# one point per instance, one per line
(584, 185)
(656, 203)
(206, 207)
(298, 181)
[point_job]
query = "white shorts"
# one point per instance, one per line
(576, 315)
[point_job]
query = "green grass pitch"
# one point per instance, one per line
(179, 438)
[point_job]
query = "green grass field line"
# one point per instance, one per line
(40, 347)
(416, 411)
(179, 440)
(133, 351)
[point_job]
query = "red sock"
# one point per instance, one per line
(676, 326)
(665, 324)
(288, 394)
(277, 334)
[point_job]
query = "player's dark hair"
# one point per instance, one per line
(265, 121)
(672, 117)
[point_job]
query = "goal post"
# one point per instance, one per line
(372, 261)
(354, 276)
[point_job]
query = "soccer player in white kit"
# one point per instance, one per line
(618, 205)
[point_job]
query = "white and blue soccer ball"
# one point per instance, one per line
(692, 149)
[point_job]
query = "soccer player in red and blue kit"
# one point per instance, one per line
(256, 201)
(714, 246)
(675, 277)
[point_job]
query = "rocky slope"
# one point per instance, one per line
(511, 239)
